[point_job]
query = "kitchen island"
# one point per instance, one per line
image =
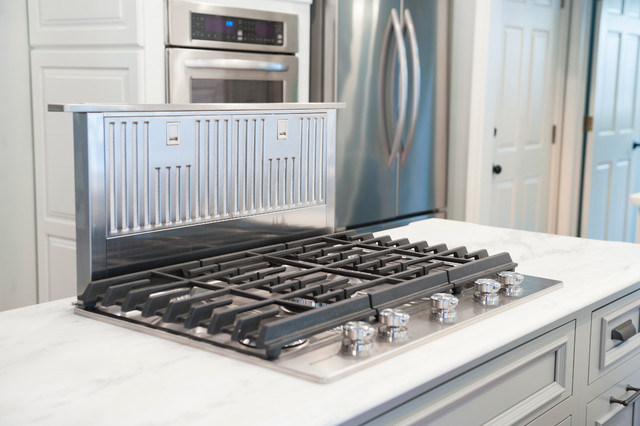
(61, 368)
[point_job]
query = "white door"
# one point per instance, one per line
(611, 166)
(526, 71)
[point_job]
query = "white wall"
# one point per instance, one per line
(462, 14)
(18, 282)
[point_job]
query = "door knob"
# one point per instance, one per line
(635, 145)
(497, 169)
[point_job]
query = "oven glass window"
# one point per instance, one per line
(222, 91)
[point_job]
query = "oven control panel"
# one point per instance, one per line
(234, 29)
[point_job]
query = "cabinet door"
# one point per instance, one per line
(512, 388)
(68, 77)
(85, 22)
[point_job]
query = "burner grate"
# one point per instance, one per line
(277, 296)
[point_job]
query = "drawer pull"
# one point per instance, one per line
(629, 400)
(624, 331)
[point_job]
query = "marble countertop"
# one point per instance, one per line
(61, 368)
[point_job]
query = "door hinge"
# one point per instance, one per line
(561, 4)
(553, 134)
(588, 124)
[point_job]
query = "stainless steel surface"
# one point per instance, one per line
(179, 26)
(354, 56)
(187, 65)
(236, 64)
(230, 68)
(170, 109)
(154, 187)
(325, 358)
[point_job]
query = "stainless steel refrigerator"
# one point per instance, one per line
(387, 59)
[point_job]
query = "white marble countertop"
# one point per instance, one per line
(61, 368)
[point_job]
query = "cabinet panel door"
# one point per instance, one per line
(68, 77)
(510, 389)
(84, 22)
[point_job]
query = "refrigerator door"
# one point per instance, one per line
(422, 176)
(366, 187)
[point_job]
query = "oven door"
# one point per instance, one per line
(212, 76)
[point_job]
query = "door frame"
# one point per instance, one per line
(567, 153)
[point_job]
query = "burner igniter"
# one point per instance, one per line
(393, 325)
(443, 307)
(511, 283)
(357, 341)
(487, 291)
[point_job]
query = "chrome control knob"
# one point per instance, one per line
(511, 283)
(357, 338)
(358, 331)
(487, 291)
(394, 317)
(443, 307)
(510, 278)
(393, 321)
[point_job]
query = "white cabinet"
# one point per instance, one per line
(512, 388)
(84, 22)
(68, 76)
(82, 51)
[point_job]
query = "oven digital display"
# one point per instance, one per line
(236, 30)
(219, 25)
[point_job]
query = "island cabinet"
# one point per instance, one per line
(585, 371)
(514, 387)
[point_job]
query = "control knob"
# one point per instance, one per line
(443, 307)
(487, 291)
(511, 283)
(357, 337)
(393, 325)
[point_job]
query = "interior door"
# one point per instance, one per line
(527, 82)
(611, 165)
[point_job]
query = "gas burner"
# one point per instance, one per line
(327, 302)
(251, 343)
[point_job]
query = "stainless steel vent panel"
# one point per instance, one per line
(169, 171)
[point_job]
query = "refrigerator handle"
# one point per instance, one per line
(415, 59)
(392, 24)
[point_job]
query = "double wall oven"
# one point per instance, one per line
(217, 54)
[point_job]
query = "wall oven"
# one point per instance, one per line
(218, 54)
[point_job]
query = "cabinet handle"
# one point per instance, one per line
(629, 400)
(624, 331)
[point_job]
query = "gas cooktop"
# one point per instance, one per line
(320, 307)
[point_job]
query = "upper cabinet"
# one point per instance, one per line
(85, 22)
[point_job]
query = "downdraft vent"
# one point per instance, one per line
(165, 172)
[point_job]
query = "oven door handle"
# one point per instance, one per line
(236, 64)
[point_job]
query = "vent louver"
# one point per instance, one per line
(214, 168)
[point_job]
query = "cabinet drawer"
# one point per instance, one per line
(602, 411)
(606, 351)
(511, 388)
